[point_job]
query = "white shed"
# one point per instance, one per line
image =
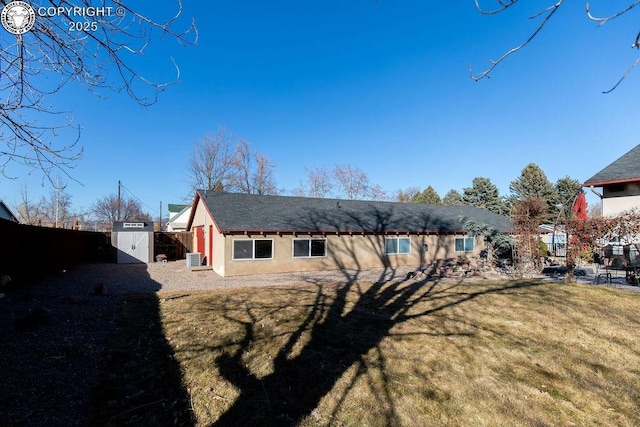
(133, 241)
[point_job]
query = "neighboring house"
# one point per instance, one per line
(555, 238)
(178, 217)
(620, 182)
(5, 213)
(249, 234)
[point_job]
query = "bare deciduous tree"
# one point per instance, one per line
(263, 179)
(343, 181)
(43, 60)
(527, 216)
(28, 211)
(58, 208)
(405, 196)
(352, 182)
(225, 162)
(55, 211)
(545, 14)
(241, 178)
(109, 209)
(252, 171)
(318, 183)
(595, 210)
(376, 192)
(211, 161)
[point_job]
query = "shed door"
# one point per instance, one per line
(133, 247)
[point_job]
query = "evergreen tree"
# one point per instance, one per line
(428, 196)
(495, 241)
(507, 204)
(533, 184)
(453, 198)
(567, 189)
(484, 194)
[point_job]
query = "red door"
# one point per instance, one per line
(200, 240)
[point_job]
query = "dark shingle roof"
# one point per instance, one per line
(5, 212)
(626, 168)
(244, 212)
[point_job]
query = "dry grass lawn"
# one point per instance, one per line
(407, 353)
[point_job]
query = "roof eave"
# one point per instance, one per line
(341, 232)
(192, 214)
(610, 181)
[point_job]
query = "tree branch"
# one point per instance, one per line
(42, 61)
(636, 43)
(504, 4)
(602, 21)
(549, 11)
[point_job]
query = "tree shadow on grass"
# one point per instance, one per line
(342, 327)
(343, 331)
(71, 356)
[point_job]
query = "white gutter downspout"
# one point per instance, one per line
(600, 196)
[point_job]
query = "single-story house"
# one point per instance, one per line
(620, 182)
(249, 234)
(5, 213)
(178, 217)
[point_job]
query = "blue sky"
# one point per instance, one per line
(381, 86)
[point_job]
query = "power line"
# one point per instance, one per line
(152, 210)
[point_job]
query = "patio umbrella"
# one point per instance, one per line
(580, 207)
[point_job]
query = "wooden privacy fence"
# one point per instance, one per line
(175, 245)
(28, 251)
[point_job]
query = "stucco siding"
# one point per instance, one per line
(342, 251)
(219, 249)
(347, 234)
(616, 205)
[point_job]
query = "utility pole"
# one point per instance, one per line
(118, 215)
(160, 217)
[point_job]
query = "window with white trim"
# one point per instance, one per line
(465, 244)
(397, 245)
(252, 249)
(309, 248)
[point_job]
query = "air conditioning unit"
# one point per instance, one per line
(193, 259)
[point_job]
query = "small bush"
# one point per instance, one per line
(587, 254)
(543, 249)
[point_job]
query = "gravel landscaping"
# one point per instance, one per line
(176, 276)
